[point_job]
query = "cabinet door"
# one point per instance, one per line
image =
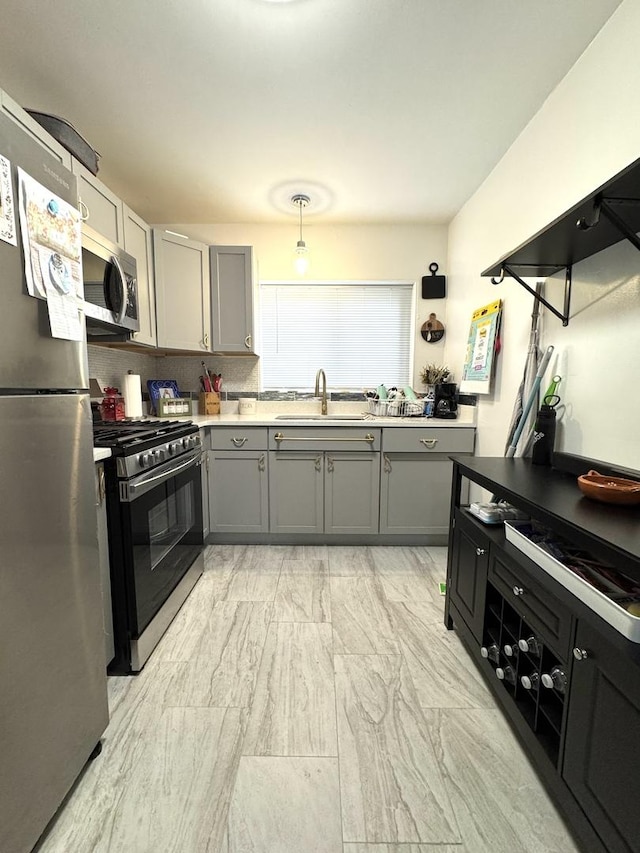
(415, 494)
(238, 492)
(296, 492)
(103, 559)
(182, 293)
(137, 241)
(31, 127)
(351, 487)
(101, 209)
(467, 573)
(205, 487)
(603, 740)
(232, 298)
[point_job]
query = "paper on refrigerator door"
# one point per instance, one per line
(65, 318)
(50, 224)
(7, 210)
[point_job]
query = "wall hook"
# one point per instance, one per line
(498, 280)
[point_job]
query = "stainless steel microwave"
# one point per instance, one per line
(110, 289)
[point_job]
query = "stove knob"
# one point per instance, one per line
(174, 447)
(160, 454)
(146, 460)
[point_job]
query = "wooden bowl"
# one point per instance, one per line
(610, 490)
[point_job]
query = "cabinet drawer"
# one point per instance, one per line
(539, 607)
(238, 438)
(364, 438)
(427, 440)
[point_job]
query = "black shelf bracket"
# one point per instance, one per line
(564, 315)
(604, 206)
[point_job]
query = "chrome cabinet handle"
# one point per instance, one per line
(318, 463)
(387, 465)
(205, 339)
(518, 590)
(247, 342)
(580, 654)
(481, 552)
(239, 441)
(280, 436)
(84, 210)
(261, 465)
(429, 442)
(330, 464)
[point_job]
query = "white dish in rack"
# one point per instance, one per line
(624, 622)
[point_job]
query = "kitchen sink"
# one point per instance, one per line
(321, 417)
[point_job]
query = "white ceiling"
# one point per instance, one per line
(387, 111)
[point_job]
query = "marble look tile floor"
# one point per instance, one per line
(309, 700)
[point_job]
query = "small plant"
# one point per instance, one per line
(432, 374)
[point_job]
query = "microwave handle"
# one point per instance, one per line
(123, 288)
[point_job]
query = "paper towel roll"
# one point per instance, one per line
(132, 393)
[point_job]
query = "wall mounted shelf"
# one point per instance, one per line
(608, 215)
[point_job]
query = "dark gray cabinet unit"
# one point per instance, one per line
(566, 679)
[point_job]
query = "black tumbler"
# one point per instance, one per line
(544, 436)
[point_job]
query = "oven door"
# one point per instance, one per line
(161, 514)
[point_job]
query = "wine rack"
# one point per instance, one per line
(530, 672)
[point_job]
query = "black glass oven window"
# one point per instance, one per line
(166, 531)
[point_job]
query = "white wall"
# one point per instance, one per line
(373, 252)
(586, 132)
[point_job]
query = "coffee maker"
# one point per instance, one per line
(446, 405)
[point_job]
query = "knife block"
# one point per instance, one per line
(209, 403)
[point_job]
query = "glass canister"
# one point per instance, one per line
(112, 406)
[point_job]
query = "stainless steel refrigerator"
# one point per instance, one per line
(53, 703)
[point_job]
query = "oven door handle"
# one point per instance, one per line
(130, 491)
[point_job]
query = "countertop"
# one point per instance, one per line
(271, 419)
(100, 453)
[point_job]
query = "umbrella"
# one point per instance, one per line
(526, 387)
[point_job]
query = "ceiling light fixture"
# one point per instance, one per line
(301, 261)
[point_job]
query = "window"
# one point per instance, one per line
(360, 333)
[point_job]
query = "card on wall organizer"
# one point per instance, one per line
(481, 349)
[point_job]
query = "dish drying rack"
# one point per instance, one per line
(395, 408)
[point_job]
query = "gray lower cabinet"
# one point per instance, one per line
(324, 492)
(103, 557)
(237, 475)
(415, 484)
(324, 480)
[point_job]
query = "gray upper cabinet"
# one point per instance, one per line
(33, 129)
(138, 242)
(232, 298)
(100, 209)
(183, 303)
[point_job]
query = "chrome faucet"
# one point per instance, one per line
(323, 409)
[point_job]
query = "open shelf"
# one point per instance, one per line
(605, 217)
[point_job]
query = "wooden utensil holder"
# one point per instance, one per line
(209, 403)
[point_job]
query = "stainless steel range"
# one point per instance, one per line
(154, 514)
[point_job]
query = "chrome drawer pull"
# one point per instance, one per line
(239, 441)
(580, 654)
(279, 436)
(518, 590)
(481, 552)
(429, 442)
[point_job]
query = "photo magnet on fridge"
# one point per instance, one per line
(433, 286)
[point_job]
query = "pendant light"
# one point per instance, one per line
(301, 260)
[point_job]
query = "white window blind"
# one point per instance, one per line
(361, 334)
